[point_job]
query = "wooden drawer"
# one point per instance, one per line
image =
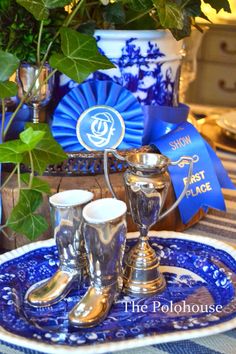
(219, 46)
(215, 84)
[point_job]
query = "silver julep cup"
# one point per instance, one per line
(104, 231)
(66, 214)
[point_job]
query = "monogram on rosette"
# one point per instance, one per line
(99, 127)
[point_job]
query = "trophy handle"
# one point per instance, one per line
(106, 170)
(181, 163)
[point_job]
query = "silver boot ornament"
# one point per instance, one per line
(66, 214)
(104, 232)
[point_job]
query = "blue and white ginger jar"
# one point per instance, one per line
(147, 64)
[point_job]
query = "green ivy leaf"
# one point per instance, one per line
(114, 13)
(8, 89)
(40, 8)
(47, 151)
(169, 13)
(140, 5)
(218, 5)
(135, 22)
(12, 151)
(193, 8)
(37, 184)
(31, 137)
(185, 31)
(4, 4)
(39, 126)
(22, 218)
(80, 56)
(8, 65)
(37, 8)
(87, 28)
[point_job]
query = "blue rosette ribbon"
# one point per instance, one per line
(97, 115)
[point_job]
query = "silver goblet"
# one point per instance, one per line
(147, 182)
(188, 74)
(37, 85)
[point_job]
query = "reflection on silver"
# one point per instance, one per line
(41, 92)
(105, 243)
(146, 182)
(70, 244)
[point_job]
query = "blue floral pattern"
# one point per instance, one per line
(152, 81)
(196, 273)
(143, 76)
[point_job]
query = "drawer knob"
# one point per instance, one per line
(225, 49)
(223, 86)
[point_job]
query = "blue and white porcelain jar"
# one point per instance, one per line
(148, 64)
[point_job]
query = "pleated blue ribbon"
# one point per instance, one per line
(209, 175)
(95, 114)
(160, 120)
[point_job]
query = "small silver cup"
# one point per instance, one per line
(41, 92)
(66, 214)
(105, 235)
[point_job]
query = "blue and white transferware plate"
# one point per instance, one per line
(97, 115)
(199, 300)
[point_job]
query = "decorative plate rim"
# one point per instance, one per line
(172, 336)
(221, 123)
(222, 141)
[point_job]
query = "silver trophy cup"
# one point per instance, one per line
(146, 181)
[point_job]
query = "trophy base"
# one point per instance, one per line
(147, 288)
(142, 276)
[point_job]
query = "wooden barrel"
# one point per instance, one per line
(95, 184)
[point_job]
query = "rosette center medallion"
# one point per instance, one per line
(100, 127)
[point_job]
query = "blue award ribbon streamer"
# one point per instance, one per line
(160, 120)
(209, 175)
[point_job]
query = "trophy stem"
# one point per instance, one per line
(143, 230)
(35, 113)
(141, 272)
